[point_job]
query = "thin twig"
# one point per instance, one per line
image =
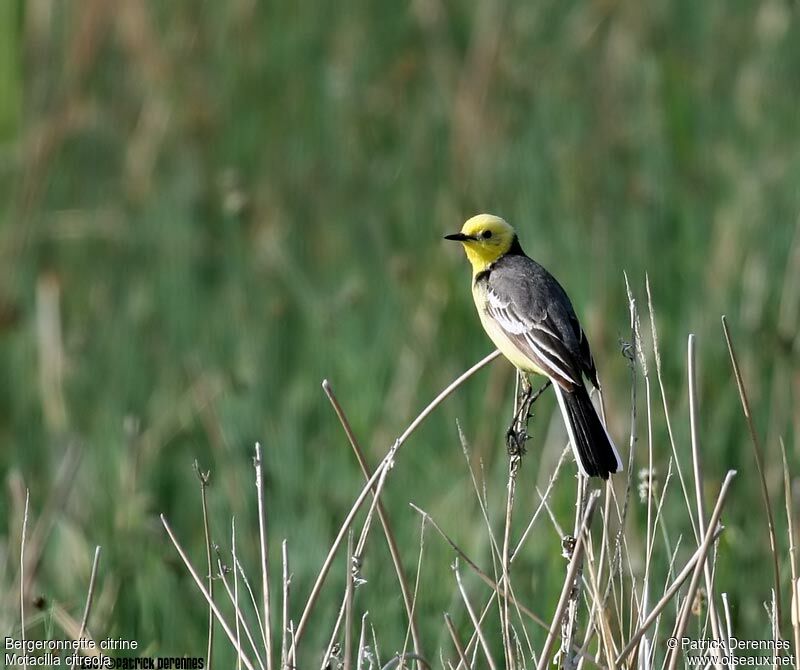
(497, 588)
(697, 466)
(348, 605)
(514, 462)
(416, 584)
(236, 607)
(398, 661)
(89, 596)
(240, 620)
(326, 565)
(793, 602)
(386, 463)
(250, 593)
(571, 616)
(475, 621)
(332, 645)
(698, 570)
(726, 608)
(601, 624)
(362, 640)
(483, 504)
(391, 541)
(286, 581)
(204, 591)
(456, 641)
(572, 570)
(22, 575)
(258, 466)
(669, 594)
(204, 479)
(676, 459)
(543, 497)
(773, 540)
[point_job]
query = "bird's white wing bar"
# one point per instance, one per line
(535, 334)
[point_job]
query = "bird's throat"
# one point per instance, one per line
(481, 258)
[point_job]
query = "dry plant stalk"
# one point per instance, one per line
(794, 584)
(610, 588)
(262, 545)
(241, 623)
(475, 622)
(698, 483)
(462, 656)
(698, 570)
(394, 551)
(773, 540)
(572, 571)
(348, 604)
(22, 572)
(385, 465)
(89, 595)
(199, 583)
(204, 478)
(286, 582)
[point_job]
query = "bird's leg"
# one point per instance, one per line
(517, 433)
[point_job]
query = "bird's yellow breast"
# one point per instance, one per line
(506, 346)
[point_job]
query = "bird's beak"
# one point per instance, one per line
(459, 237)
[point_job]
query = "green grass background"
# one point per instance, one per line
(235, 200)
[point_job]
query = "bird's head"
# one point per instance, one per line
(485, 238)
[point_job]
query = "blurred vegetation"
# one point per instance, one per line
(207, 208)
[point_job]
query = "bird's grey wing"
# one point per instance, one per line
(529, 316)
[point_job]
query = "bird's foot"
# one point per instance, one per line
(517, 434)
(515, 441)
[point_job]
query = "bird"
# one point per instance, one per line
(530, 318)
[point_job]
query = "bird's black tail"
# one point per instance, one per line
(595, 452)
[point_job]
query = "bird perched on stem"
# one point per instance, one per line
(528, 315)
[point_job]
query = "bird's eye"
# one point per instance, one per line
(486, 234)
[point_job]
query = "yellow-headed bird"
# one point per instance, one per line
(529, 317)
